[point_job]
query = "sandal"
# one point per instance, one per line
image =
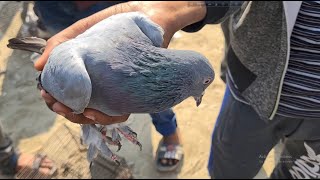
(9, 161)
(169, 152)
(34, 170)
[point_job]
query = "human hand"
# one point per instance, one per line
(151, 9)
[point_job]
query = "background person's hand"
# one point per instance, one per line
(174, 16)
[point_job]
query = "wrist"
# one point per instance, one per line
(171, 16)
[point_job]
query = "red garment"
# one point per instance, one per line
(83, 5)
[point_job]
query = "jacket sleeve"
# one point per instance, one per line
(217, 12)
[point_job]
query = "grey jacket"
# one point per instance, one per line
(258, 48)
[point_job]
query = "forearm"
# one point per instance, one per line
(171, 16)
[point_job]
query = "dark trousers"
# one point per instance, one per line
(241, 142)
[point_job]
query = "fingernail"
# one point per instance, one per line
(42, 92)
(90, 117)
(61, 114)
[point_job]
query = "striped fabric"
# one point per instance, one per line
(300, 97)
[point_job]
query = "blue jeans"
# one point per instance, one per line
(165, 122)
(58, 15)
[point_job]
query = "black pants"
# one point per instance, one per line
(241, 142)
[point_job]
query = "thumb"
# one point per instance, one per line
(51, 44)
(40, 63)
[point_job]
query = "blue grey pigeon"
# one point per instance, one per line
(118, 67)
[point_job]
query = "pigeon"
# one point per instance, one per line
(118, 67)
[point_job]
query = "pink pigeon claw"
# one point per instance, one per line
(110, 141)
(129, 134)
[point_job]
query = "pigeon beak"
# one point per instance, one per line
(199, 99)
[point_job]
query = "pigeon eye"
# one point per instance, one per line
(207, 81)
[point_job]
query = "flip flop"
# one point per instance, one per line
(37, 165)
(9, 159)
(168, 151)
(35, 169)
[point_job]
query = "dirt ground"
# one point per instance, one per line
(28, 121)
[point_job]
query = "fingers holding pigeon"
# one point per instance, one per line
(90, 116)
(66, 112)
(104, 119)
(63, 110)
(79, 118)
(51, 44)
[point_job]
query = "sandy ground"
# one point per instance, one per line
(28, 121)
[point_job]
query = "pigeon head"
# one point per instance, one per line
(204, 77)
(173, 76)
(200, 72)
